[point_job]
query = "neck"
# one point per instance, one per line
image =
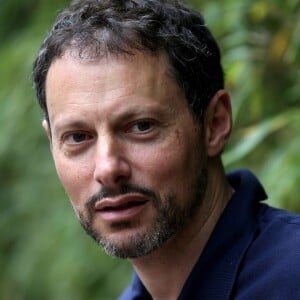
(165, 271)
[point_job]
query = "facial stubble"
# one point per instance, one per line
(171, 217)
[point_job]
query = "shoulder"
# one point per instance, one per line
(277, 225)
(277, 240)
(270, 267)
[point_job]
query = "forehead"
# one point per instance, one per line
(140, 79)
(153, 65)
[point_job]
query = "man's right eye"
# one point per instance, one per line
(77, 137)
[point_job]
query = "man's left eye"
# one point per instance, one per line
(142, 126)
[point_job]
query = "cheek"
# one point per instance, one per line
(74, 177)
(167, 168)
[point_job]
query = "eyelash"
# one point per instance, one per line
(150, 124)
(69, 138)
(72, 135)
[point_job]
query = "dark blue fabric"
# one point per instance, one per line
(253, 253)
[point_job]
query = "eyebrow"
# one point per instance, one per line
(159, 110)
(70, 124)
(122, 115)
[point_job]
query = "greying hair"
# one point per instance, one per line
(95, 28)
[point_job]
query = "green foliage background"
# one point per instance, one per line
(44, 254)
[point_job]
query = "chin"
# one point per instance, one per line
(130, 243)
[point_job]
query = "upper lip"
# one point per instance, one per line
(119, 201)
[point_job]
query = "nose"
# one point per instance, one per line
(111, 164)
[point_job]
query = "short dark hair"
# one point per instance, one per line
(100, 27)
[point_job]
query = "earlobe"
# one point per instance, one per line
(48, 131)
(218, 123)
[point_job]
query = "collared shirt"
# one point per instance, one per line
(252, 254)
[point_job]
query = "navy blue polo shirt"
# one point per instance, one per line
(252, 254)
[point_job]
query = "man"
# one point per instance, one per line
(137, 117)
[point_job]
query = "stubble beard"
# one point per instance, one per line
(170, 219)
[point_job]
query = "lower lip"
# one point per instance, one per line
(120, 215)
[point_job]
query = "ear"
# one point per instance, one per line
(47, 129)
(218, 123)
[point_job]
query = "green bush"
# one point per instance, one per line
(44, 253)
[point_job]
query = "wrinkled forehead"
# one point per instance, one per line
(151, 63)
(128, 77)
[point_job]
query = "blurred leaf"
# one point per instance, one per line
(44, 253)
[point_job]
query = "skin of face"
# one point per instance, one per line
(126, 149)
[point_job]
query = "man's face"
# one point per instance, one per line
(126, 148)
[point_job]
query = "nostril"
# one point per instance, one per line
(112, 170)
